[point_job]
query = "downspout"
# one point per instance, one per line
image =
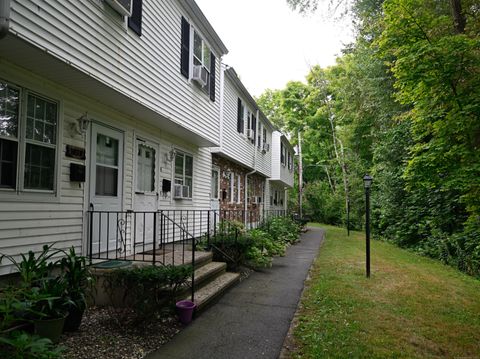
(252, 172)
(4, 18)
(221, 89)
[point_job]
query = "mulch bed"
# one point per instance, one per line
(108, 333)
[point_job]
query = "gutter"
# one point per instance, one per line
(4, 18)
(252, 172)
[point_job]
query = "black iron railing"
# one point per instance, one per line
(166, 236)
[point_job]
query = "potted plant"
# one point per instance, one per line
(79, 281)
(48, 305)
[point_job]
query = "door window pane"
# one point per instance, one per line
(145, 169)
(9, 105)
(8, 163)
(39, 167)
(107, 150)
(106, 181)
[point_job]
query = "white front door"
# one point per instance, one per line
(146, 191)
(106, 188)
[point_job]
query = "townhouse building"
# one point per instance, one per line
(112, 111)
(241, 164)
(104, 107)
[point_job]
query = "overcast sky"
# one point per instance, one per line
(269, 44)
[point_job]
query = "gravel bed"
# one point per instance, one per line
(108, 333)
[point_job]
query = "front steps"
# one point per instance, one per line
(211, 282)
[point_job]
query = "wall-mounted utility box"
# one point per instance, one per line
(77, 172)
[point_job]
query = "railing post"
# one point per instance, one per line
(90, 244)
(208, 229)
(154, 236)
(194, 247)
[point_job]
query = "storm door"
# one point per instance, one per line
(106, 190)
(146, 193)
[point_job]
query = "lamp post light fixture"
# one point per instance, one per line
(367, 183)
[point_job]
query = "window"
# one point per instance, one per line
(199, 55)
(252, 124)
(145, 169)
(184, 171)
(135, 21)
(106, 166)
(232, 187)
(37, 141)
(240, 114)
(239, 182)
(282, 154)
(290, 162)
(259, 138)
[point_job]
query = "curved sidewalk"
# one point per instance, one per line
(253, 318)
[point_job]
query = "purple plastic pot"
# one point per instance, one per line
(185, 310)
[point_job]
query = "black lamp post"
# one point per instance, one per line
(367, 182)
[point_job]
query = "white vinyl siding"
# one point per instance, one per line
(29, 220)
(92, 38)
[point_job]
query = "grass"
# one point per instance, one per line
(411, 307)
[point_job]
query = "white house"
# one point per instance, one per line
(105, 111)
(282, 171)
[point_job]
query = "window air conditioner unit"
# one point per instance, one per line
(181, 191)
(266, 147)
(124, 7)
(200, 75)
(250, 134)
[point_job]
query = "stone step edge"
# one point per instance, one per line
(214, 289)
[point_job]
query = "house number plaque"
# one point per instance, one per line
(75, 152)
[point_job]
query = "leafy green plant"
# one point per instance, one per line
(21, 345)
(31, 267)
(283, 229)
(147, 289)
(78, 279)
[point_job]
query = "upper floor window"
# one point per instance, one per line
(197, 61)
(283, 154)
(290, 161)
(240, 120)
(135, 21)
(184, 172)
(259, 136)
(252, 126)
(30, 152)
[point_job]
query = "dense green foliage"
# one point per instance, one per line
(254, 248)
(403, 104)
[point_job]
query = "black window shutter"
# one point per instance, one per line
(135, 21)
(240, 116)
(212, 77)
(185, 49)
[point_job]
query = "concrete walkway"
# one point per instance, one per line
(253, 318)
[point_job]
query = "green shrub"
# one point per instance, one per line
(147, 289)
(283, 229)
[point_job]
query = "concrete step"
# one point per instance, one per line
(208, 272)
(213, 290)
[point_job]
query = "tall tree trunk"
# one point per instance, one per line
(458, 16)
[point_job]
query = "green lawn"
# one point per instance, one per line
(411, 307)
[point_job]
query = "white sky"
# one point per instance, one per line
(269, 44)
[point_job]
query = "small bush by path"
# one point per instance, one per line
(411, 307)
